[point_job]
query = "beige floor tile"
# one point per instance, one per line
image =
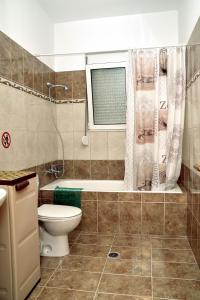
(124, 284)
(45, 275)
(176, 270)
(129, 267)
(171, 255)
(176, 289)
(170, 243)
(132, 241)
(89, 250)
(63, 294)
(101, 296)
(83, 263)
(50, 262)
(33, 296)
(95, 239)
(132, 253)
(77, 280)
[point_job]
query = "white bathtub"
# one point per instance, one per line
(97, 186)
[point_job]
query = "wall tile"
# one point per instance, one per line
(89, 196)
(116, 169)
(108, 217)
(79, 116)
(5, 56)
(99, 169)
(153, 218)
(89, 217)
(176, 198)
(99, 145)
(152, 197)
(116, 145)
(68, 142)
(38, 76)
(45, 79)
(17, 72)
(63, 78)
(65, 117)
(130, 217)
(80, 151)
(28, 69)
(132, 197)
(79, 85)
(175, 219)
(82, 169)
(107, 196)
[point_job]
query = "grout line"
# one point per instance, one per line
(45, 285)
(141, 217)
(97, 212)
(174, 262)
(164, 227)
(96, 292)
(151, 272)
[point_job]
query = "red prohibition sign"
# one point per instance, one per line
(6, 139)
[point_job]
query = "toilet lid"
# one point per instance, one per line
(58, 211)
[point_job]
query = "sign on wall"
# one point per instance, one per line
(6, 139)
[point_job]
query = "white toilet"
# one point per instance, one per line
(56, 221)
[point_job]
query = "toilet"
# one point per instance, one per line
(56, 221)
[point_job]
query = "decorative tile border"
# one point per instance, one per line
(70, 101)
(24, 89)
(35, 93)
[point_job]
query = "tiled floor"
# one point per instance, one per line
(148, 268)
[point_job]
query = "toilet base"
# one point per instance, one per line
(54, 246)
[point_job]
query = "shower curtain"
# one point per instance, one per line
(155, 118)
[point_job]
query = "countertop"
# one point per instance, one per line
(14, 177)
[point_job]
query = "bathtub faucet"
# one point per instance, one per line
(54, 170)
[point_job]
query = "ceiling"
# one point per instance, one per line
(73, 10)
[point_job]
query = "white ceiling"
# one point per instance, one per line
(71, 10)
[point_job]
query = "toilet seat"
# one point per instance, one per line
(53, 212)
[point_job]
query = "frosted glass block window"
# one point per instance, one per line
(107, 96)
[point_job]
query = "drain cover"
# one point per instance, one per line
(113, 254)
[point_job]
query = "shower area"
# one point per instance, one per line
(128, 172)
(135, 133)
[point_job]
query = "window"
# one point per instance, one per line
(106, 89)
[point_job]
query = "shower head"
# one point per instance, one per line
(51, 85)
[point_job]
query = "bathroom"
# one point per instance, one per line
(99, 199)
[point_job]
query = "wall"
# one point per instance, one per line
(190, 177)
(189, 12)
(103, 145)
(28, 24)
(23, 106)
(108, 34)
(33, 138)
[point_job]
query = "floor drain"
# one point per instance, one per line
(113, 255)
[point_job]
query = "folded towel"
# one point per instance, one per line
(67, 196)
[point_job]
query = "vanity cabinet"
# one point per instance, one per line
(19, 240)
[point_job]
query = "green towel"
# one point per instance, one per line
(67, 196)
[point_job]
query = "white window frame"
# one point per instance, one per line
(90, 67)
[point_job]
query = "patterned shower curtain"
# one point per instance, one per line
(155, 118)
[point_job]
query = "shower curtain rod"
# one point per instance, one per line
(112, 51)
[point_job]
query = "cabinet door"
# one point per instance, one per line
(5, 253)
(25, 238)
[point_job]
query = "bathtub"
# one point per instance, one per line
(108, 208)
(98, 186)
